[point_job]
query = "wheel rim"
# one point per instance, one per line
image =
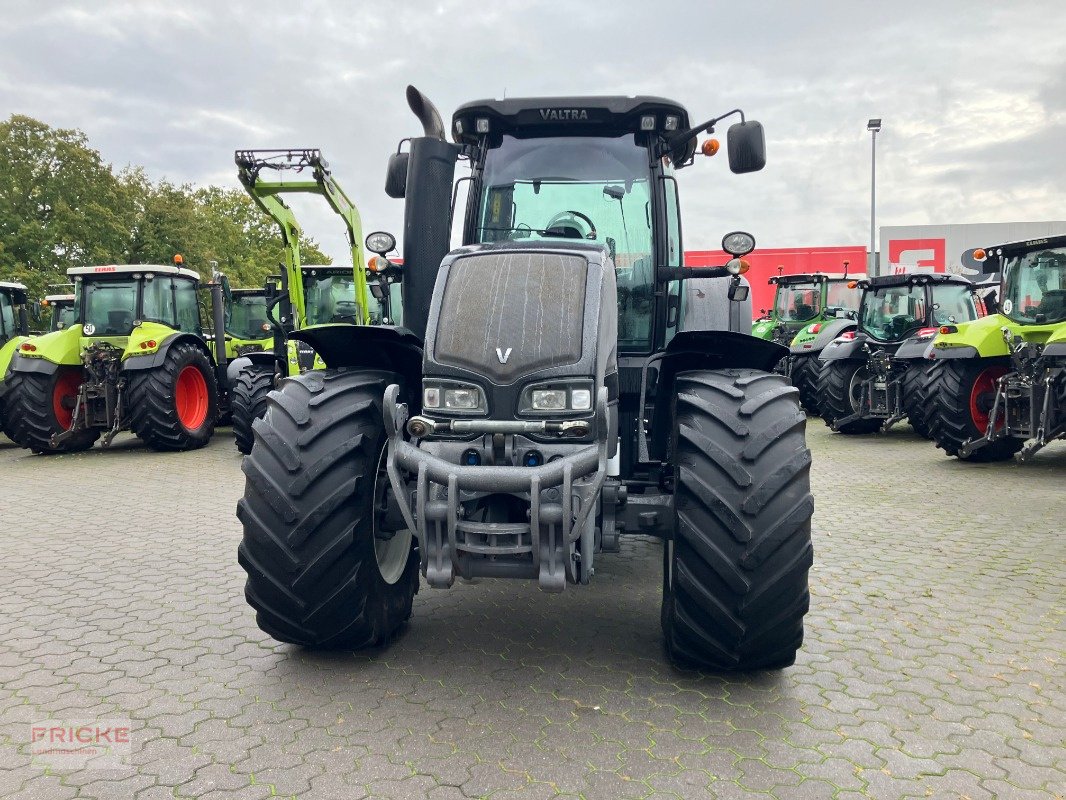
(983, 395)
(191, 398)
(64, 397)
(390, 553)
(855, 388)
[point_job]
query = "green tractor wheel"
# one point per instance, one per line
(248, 402)
(839, 387)
(174, 406)
(39, 406)
(326, 565)
(735, 574)
(962, 393)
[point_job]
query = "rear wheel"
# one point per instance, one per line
(962, 393)
(174, 406)
(735, 580)
(248, 402)
(805, 378)
(326, 565)
(839, 391)
(916, 398)
(39, 406)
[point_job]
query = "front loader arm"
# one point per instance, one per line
(266, 195)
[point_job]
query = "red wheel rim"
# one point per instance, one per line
(983, 395)
(64, 396)
(191, 398)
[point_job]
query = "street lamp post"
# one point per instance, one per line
(873, 126)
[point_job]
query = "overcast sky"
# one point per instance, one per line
(972, 94)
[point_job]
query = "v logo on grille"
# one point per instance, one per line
(503, 355)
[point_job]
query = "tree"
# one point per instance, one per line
(61, 206)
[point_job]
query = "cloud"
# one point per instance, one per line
(973, 98)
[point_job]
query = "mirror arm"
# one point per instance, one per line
(665, 274)
(674, 142)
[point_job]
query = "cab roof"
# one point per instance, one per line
(59, 298)
(129, 269)
(569, 116)
(916, 278)
(18, 287)
(812, 277)
(1027, 245)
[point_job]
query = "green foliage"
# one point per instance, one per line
(62, 206)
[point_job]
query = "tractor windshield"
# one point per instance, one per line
(246, 317)
(842, 294)
(330, 297)
(1036, 287)
(7, 317)
(110, 307)
(583, 189)
(798, 302)
(953, 303)
(892, 313)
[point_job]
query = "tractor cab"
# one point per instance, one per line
(896, 307)
(246, 325)
(330, 294)
(1034, 283)
(805, 299)
(112, 300)
(13, 320)
(64, 310)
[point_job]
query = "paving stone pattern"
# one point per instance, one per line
(933, 665)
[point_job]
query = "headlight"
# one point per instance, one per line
(556, 398)
(549, 399)
(461, 399)
(458, 397)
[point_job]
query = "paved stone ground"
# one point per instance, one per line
(933, 664)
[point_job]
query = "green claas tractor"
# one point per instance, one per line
(136, 359)
(302, 296)
(999, 382)
(872, 377)
(14, 328)
(543, 399)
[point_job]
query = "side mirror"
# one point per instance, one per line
(747, 147)
(35, 311)
(396, 176)
(738, 292)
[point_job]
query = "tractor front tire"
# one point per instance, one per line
(916, 398)
(805, 378)
(961, 391)
(838, 384)
(248, 402)
(173, 407)
(320, 571)
(735, 585)
(38, 406)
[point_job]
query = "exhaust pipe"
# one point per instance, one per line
(427, 211)
(427, 113)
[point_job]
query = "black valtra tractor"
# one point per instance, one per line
(545, 398)
(874, 376)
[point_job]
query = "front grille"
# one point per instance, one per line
(507, 314)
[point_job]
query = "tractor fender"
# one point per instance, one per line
(915, 348)
(1056, 343)
(134, 363)
(259, 357)
(376, 347)
(41, 366)
(806, 343)
(842, 349)
(702, 350)
(959, 351)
